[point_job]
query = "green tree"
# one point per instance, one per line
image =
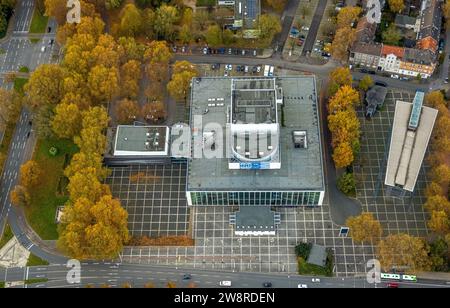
(346, 184)
(365, 83)
(112, 4)
(166, 16)
(391, 35)
(213, 36)
(338, 77)
(269, 26)
(42, 122)
(130, 20)
(396, 6)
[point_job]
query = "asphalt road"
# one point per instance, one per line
(287, 18)
(117, 274)
(12, 166)
(19, 51)
(314, 28)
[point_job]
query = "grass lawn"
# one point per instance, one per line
(19, 83)
(7, 235)
(35, 280)
(35, 261)
(2, 284)
(205, 3)
(305, 268)
(38, 23)
(45, 197)
(24, 69)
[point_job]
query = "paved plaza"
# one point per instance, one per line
(157, 206)
(154, 197)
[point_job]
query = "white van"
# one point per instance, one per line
(271, 71)
(225, 283)
(266, 70)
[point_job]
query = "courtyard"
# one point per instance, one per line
(157, 206)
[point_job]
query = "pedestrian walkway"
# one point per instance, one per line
(13, 254)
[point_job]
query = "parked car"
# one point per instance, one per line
(254, 53)
(446, 80)
(395, 76)
(371, 72)
(305, 28)
(302, 286)
(183, 49)
(363, 70)
(205, 50)
(393, 285)
(243, 52)
(381, 84)
(42, 48)
(230, 51)
(187, 276)
(267, 284)
(225, 283)
(258, 69)
(246, 69)
(315, 280)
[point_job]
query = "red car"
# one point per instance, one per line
(393, 285)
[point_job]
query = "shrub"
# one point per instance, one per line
(346, 184)
(53, 151)
(302, 250)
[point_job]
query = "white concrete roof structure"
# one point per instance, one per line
(408, 146)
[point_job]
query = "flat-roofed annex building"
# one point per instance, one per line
(411, 131)
(271, 145)
(141, 141)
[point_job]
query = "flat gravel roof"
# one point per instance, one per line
(301, 169)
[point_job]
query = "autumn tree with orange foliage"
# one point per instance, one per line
(29, 174)
(437, 191)
(343, 121)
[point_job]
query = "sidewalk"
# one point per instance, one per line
(10, 28)
(434, 276)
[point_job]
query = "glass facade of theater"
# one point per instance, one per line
(285, 198)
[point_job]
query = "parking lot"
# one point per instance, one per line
(154, 197)
(216, 246)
